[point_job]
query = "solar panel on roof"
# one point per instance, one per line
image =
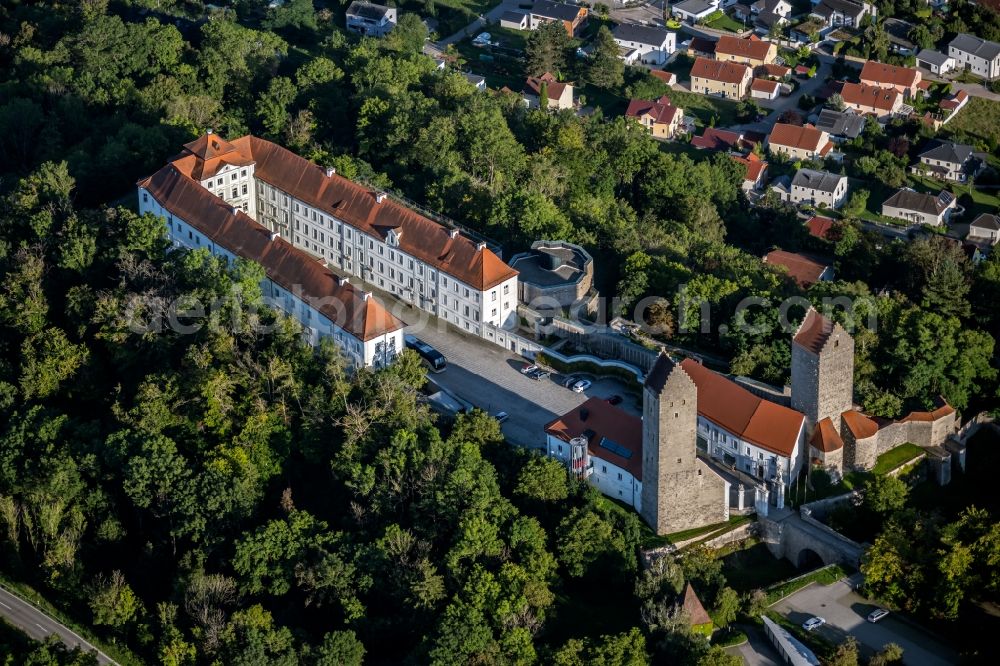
(615, 448)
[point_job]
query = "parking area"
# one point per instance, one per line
(845, 613)
(490, 378)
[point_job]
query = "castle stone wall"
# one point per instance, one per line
(862, 454)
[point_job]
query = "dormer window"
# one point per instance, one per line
(392, 238)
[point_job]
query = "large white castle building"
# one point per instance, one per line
(220, 194)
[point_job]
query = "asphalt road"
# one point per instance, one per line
(36, 624)
(489, 377)
(845, 613)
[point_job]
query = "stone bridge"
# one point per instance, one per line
(804, 541)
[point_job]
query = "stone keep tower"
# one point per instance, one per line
(679, 491)
(822, 369)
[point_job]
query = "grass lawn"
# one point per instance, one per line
(755, 567)
(704, 108)
(827, 575)
(453, 15)
(726, 23)
(503, 70)
(893, 458)
(979, 120)
(983, 201)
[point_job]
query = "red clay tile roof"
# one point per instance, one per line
(955, 101)
(355, 204)
(554, 89)
(287, 266)
(755, 166)
(692, 606)
(775, 70)
(662, 111)
(764, 85)
(729, 405)
(860, 425)
(805, 137)
(819, 226)
(666, 77)
(702, 45)
(881, 74)
(883, 99)
(718, 70)
(826, 438)
(207, 155)
(717, 139)
(745, 48)
(814, 331)
(943, 409)
(604, 420)
(804, 269)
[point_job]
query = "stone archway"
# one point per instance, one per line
(808, 559)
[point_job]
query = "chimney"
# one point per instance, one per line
(480, 246)
(379, 196)
(275, 236)
(366, 295)
(208, 131)
(453, 233)
(330, 171)
(343, 280)
(234, 210)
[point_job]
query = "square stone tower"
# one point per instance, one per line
(679, 491)
(822, 369)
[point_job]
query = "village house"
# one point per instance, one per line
(351, 228)
(756, 172)
(713, 138)
(919, 207)
(479, 82)
(559, 95)
(976, 55)
(883, 103)
(985, 229)
(753, 51)
(950, 161)
(818, 188)
(716, 77)
(660, 117)
(765, 89)
(572, 17)
(954, 103)
(805, 269)
(799, 143)
(693, 11)
(847, 13)
(840, 125)
(904, 79)
(819, 227)
(937, 62)
(645, 44)
(773, 71)
(701, 47)
(370, 20)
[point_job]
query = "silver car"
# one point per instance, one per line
(813, 623)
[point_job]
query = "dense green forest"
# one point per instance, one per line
(233, 498)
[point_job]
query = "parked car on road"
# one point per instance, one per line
(569, 381)
(581, 386)
(813, 623)
(615, 400)
(528, 368)
(877, 615)
(501, 416)
(538, 374)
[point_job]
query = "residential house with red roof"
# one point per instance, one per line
(660, 117)
(720, 78)
(819, 227)
(805, 269)
(752, 51)
(558, 95)
(322, 223)
(904, 79)
(765, 89)
(799, 142)
(756, 172)
(883, 103)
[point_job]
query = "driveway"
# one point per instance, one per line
(782, 104)
(492, 16)
(846, 612)
(757, 651)
(490, 378)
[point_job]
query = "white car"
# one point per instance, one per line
(581, 386)
(813, 623)
(877, 615)
(529, 368)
